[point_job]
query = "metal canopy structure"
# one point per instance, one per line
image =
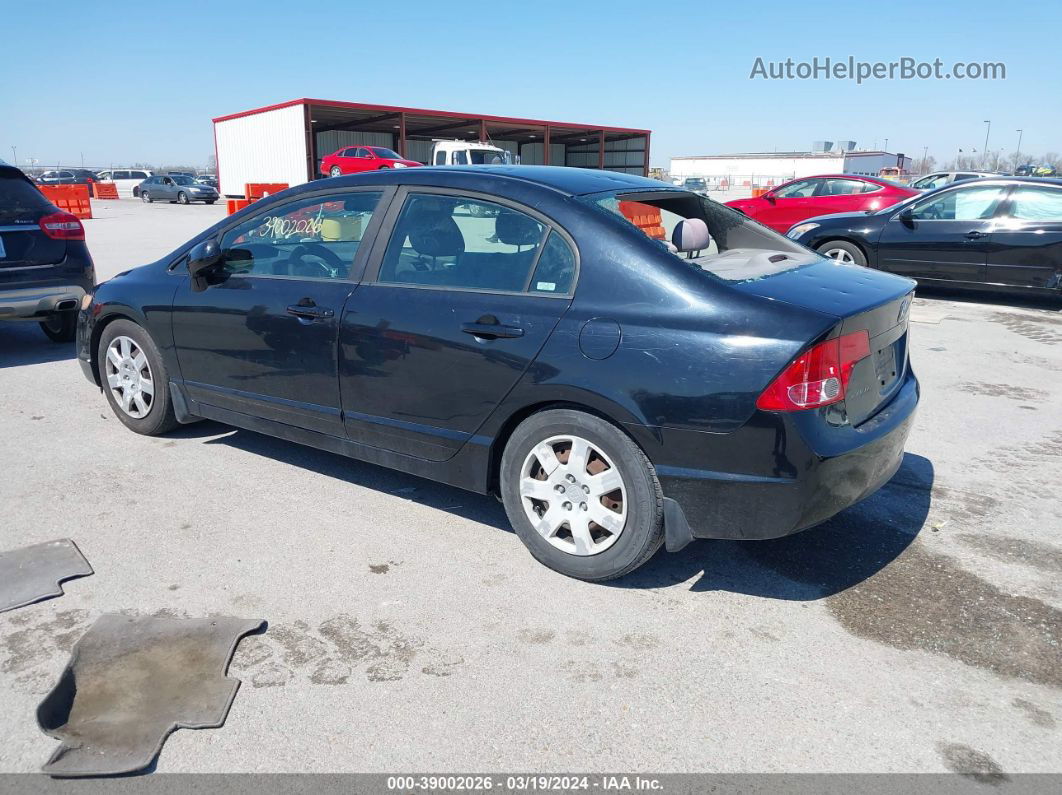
(330, 125)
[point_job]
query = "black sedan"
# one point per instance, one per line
(1004, 233)
(623, 363)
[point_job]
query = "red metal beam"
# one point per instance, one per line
(446, 114)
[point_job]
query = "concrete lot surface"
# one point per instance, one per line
(410, 631)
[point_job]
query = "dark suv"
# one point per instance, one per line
(45, 266)
(72, 176)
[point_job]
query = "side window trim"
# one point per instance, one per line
(371, 273)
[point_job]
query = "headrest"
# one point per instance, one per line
(516, 229)
(691, 234)
(438, 235)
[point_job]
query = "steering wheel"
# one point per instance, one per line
(328, 266)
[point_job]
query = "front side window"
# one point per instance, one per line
(1036, 204)
(488, 157)
(362, 152)
(315, 237)
(803, 189)
(932, 181)
(460, 159)
(385, 154)
(454, 242)
(966, 204)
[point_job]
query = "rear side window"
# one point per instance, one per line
(454, 242)
(440, 158)
(1036, 204)
(842, 187)
(965, 204)
(138, 174)
(313, 238)
(20, 201)
(555, 271)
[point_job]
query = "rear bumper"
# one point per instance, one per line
(817, 475)
(31, 302)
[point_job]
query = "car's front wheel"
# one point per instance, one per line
(144, 197)
(581, 495)
(182, 198)
(60, 326)
(843, 251)
(334, 172)
(134, 378)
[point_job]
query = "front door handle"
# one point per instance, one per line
(974, 235)
(307, 309)
(492, 331)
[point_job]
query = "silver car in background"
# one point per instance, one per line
(177, 188)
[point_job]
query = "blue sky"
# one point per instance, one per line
(122, 82)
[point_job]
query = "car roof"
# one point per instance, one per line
(558, 179)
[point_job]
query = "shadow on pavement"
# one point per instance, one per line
(822, 561)
(466, 504)
(23, 342)
(1009, 300)
(851, 547)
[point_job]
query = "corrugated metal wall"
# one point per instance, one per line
(262, 147)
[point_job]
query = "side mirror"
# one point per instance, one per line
(201, 260)
(769, 196)
(906, 216)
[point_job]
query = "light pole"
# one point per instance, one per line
(1017, 155)
(925, 158)
(886, 144)
(984, 152)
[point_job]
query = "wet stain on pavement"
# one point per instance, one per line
(536, 636)
(1031, 327)
(1039, 716)
(972, 764)
(334, 652)
(30, 643)
(379, 568)
(1033, 554)
(1009, 391)
(925, 601)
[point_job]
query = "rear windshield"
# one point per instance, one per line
(739, 249)
(19, 200)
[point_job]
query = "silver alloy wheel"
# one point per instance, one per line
(840, 254)
(573, 495)
(129, 377)
(144, 197)
(182, 197)
(334, 172)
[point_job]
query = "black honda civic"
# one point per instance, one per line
(624, 364)
(997, 233)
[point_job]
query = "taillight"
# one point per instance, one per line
(62, 226)
(818, 376)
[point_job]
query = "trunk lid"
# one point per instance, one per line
(862, 300)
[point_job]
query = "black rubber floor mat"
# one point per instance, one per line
(33, 573)
(130, 682)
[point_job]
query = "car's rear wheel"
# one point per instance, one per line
(144, 197)
(581, 495)
(134, 379)
(60, 326)
(383, 168)
(334, 172)
(843, 251)
(182, 198)
(210, 201)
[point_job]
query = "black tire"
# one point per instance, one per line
(144, 197)
(854, 251)
(642, 533)
(383, 168)
(210, 201)
(60, 326)
(182, 197)
(160, 417)
(136, 191)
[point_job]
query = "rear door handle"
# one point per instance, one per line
(491, 331)
(310, 311)
(974, 235)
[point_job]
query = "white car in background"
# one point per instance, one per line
(127, 180)
(938, 179)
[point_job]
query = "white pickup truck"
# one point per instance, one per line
(465, 153)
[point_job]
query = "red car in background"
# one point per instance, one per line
(792, 202)
(354, 159)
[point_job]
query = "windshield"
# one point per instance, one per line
(738, 249)
(696, 183)
(386, 154)
(490, 157)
